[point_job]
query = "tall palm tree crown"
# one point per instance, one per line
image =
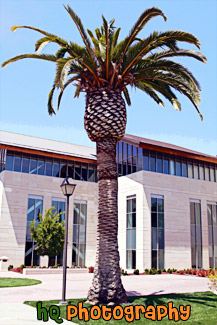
(103, 69)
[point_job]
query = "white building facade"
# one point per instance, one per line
(167, 202)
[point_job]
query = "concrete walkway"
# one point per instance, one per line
(14, 312)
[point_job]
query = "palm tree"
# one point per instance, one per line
(103, 69)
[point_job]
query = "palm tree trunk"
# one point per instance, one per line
(107, 286)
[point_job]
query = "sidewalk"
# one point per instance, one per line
(14, 312)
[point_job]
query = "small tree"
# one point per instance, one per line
(48, 234)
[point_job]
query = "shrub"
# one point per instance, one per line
(10, 267)
(122, 271)
(34, 266)
(202, 273)
(182, 272)
(213, 281)
(174, 270)
(136, 272)
(146, 271)
(22, 266)
(159, 271)
(91, 269)
(125, 273)
(153, 271)
(55, 266)
(164, 270)
(44, 267)
(169, 271)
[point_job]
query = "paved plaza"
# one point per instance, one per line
(14, 312)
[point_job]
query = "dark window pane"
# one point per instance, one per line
(160, 205)
(83, 214)
(161, 220)
(55, 205)
(84, 172)
(17, 164)
(140, 159)
(159, 165)
(184, 169)
(63, 170)
(91, 177)
(48, 168)
(166, 166)
(129, 150)
(76, 213)
(41, 167)
(145, 162)
(62, 209)
(134, 205)
(178, 168)
(212, 175)
(56, 169)
(25, 165)
(129, 220)
(124, 151)
(133, 259)
(134, 220)
(207, 173)
(154, 219)
(201, 172)
(33, 166)
(154, 238)
(192, 214)
(77, 171)
(154, 259)
(71, 170)
(31, 208)
(160, 238)
(161, 259)
(9, 162)
(152, 164)
(124, 168)
(153, 204)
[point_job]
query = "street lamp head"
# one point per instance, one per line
(67, 188)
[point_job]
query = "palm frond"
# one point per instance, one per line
(150, 92)
(61, 52)
(46, 57)
(127, 96)
(50, 107)
(139, 25)
(82, 32)
(106, 30)
(168, 53)
(62, 90)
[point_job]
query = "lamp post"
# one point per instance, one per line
(67, 189)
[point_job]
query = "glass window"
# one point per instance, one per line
(159, 165)
(124, 151)
(59, 205)
(184, 170)
(212, 175)
(207, 173)
(178, 168)
(41, 167)
(63, 169)
(157, 223)
(77, 171)
(79, 233)
(140, 160)
(33, 166)
(201, 172)
(145, 162)
(35, 206)
(91, 177)
(166, 166)
(196, 234)
(172, 167)
(131, 232)
(25, 165)
(152, 164)
(17, 164)
(84, 172)
(190, 171)
(212, 234)
(9, 162)
(56, 169)
(71, 170)
(48, 168)
(196, 172)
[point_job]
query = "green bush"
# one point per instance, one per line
(153, 271)
(159, 271)
(170, 271)
(146, 271)
(10, 267)
(44, 267)
(164, 270)
(125, 273)
(22, 266)
(122, 271)
(55, 266)
(136, 272)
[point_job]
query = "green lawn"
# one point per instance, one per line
(203, 308)
(17, 282)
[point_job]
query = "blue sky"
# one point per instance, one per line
(24, 85)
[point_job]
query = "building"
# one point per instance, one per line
(167, 201)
